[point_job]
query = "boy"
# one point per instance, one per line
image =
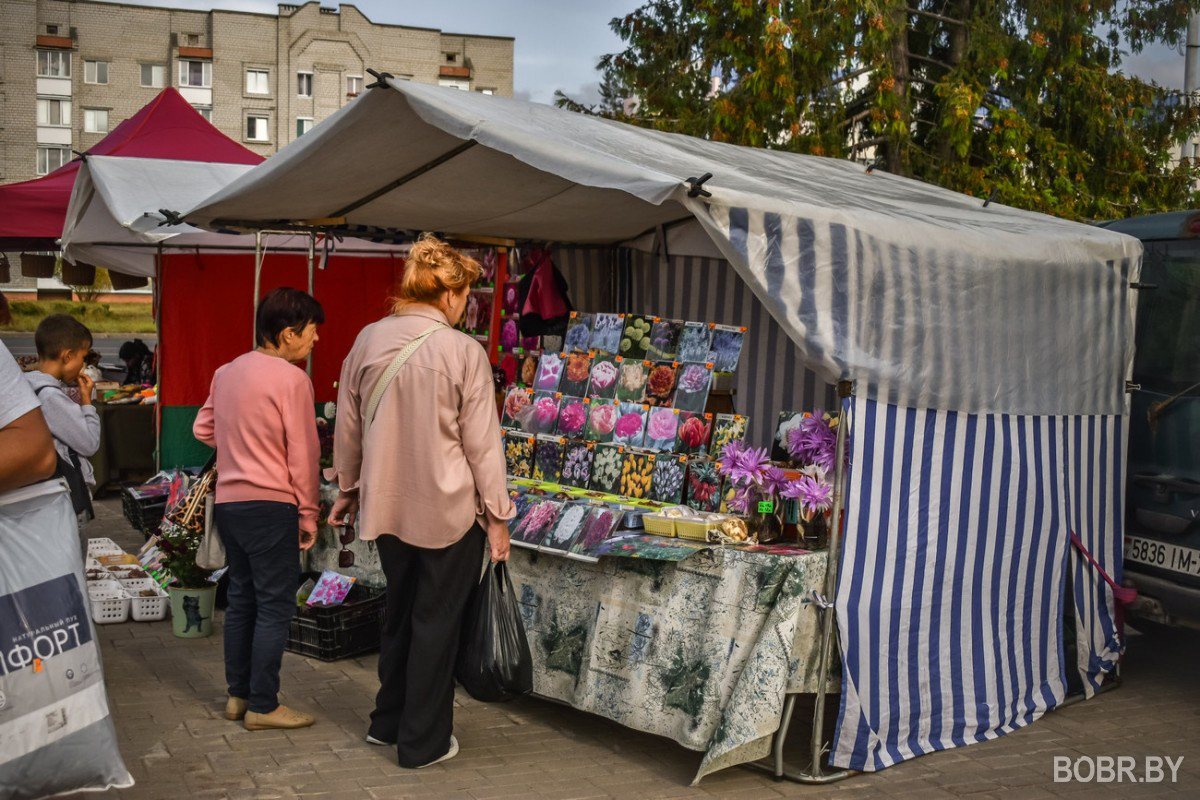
(62, 344)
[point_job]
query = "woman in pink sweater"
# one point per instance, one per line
(260, 418)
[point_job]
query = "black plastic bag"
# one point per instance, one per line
(494, 663)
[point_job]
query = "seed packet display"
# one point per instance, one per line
(603, 377)
(528, 371)
(692, 386)
(662, 428)
(703, 485)
(548, 458)
(572, 417)
(631, 424)
(537, 522)
(695, 431)
(695, 343)
(567, 528)
(606, 333)
(518, 454)
(726, 347)
(636, 472)
(635, 337)
(549, 372)
(510, 336)
(726, 429)
(606, 468)
(788, 421)
(575, 374)
(598, 526)
(544, 417)
(631, 385)
(515, 403)
(660, 384)
(666, 485)
(602, 420)
(579, 333)
(664, 339)
(577, 464)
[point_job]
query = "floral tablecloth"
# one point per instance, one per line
(702, 650)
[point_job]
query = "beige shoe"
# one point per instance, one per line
(235, 708)
(281, 718)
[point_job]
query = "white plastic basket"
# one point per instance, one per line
(123, 572)
(146, 609)
(105, 588)
(91, 563)
(103, 546)
(97, 573)
(110, 603)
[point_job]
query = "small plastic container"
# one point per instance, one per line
(659, 524)
(146, 608)
(103, 546)
(110, 603)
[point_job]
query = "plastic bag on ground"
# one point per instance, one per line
(494, 663)
(56, 735)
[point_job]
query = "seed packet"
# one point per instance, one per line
(631, 385)
(664, 339)
(567, 527)
(572, 416)
(577, 464)
(544, 417)
(662, 428)
(516, 405)
(636, 472)
(521, 502)
(518, 454)
(579, 333)
(631, 424)
(703, 485)
(602, 419)
(691, 390)
(695, 343)
(575, 374)
(478, 316)
(510, 336)
(549, 372)
(606, 333)
(695, 430)
(727, 428)
(602, 378)
(331, 589)
(635, 337)
(548, 458)
(788, 421)
(726, 348)
(666, 485)
(528, 371)
(597, 527)
(509, 366)
(537, 522)
(660, 384)
(512, 298)
(606, 468)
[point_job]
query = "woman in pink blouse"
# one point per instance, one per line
(430, 473)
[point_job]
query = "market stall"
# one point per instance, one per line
(987, 348)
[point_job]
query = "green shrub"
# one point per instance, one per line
(25, 308)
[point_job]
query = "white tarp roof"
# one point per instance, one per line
(114, 219)
(921, 294)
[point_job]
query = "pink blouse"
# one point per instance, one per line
(433, 462)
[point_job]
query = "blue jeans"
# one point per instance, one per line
(262, 547)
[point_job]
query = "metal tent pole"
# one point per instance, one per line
(312, 254)
(258, 262)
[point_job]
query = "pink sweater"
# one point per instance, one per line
(260, 416)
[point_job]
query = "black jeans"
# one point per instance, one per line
(427, 592)
(262, 547)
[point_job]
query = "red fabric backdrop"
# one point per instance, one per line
(208, 316)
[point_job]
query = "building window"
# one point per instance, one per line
(304, 84)
(256, 128)
(54, 112)
(52, 30)
(54, 64)
(95, 120)
(257, 81)
(451, 58)
(195, 73)
(453, 83)
(191, 39)
(51, 158)
(487, 91)
(205, 111)
(154, 75)
(95, 72)
(353, 85)
(303, 125)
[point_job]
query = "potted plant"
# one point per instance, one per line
(192, 595)
(813, 446)
(754, 484)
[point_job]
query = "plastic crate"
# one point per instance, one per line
(144, 513)
(146, 609)
(109, 601)
(102, 546)
(350, 629)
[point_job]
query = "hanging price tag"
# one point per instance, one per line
(766, 506)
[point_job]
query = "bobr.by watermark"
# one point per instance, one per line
(1116, 769)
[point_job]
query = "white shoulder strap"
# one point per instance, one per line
(390, 372)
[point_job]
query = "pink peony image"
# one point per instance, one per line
(662, 425)
(546, 410)
(604, 375)
(572, 418)
(628, 425)
(516, 402)
(604, 418)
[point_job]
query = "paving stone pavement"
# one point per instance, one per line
(167, 695)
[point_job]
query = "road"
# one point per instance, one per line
(107, 344)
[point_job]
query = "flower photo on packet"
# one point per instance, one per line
(635, 337)
(695, 343)
(695, 430)
(606, 468)
(567, 528)
(662, 427)
(577, 465)
(602, 419)
(572, 417)
(602, 377)
(664, 339)
(631, 385)
(537, 522)
(660, 385)
(726, 347)
(666, 485)
(631, 424)
(636, 472)
(518, 454)
(728, 428)
(516, 402)
(549, 372)
(575, 374)
(691, 389)
(544, 417)
(606, 333)
(548, 458)
(528, 371)
(703, 485)
(579, 333)
(597, 528)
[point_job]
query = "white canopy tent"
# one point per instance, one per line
(989, 347)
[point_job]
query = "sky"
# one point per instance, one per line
(558, 42)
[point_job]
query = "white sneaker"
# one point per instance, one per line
(372, 740)
(451, 753)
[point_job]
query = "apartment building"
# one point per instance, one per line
(71, 71)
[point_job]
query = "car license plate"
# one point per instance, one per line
(1163, 555)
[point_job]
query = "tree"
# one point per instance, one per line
(1023, 99)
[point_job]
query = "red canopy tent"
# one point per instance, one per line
(32, 212)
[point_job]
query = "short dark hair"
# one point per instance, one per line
(285, 309)
(59, 332)
(133, 349)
